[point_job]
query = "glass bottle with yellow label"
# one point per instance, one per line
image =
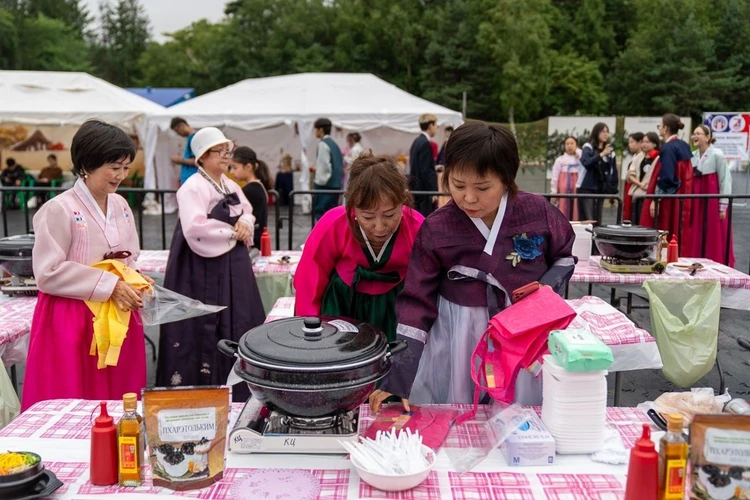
(129, 443)
(673, 453)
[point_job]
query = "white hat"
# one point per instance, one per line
(205, 139)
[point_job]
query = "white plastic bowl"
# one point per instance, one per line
(397, 483)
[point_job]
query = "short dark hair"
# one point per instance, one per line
(51, 156)
(371, 179)
(484, 149)
(97, 143)
(424, 126)
(594, 137)
(636, 136)
(323, 123)
(176, 122)
(653, 138)
(355, 136)
(672, 122)
(10, 162)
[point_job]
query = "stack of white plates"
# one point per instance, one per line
(574, 408)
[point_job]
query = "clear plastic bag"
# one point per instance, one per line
(471, 442)
(161, 305)
(688, 404)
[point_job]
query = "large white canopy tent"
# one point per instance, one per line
(57, 98)
(275, 117)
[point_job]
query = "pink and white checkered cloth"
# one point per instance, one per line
(65, 424)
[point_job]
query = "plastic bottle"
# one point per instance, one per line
(643, 470)
(673, 453)
(673, 253)
(265, 243)
(103, 466)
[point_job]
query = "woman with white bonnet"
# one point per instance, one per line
(209, 261)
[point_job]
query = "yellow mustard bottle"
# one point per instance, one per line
(673, 453)
(130, 443)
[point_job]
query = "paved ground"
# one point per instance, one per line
(637, 386)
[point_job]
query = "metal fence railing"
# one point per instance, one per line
(135, 197)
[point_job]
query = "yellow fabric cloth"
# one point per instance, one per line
(110, 322)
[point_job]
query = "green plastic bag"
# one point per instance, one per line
(10, 407)
(685, 323)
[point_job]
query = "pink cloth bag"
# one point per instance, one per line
(515, 339)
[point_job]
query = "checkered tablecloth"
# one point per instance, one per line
(59, 431)
(633, 348)
(735, 285)
(15, 325)
(155, 262)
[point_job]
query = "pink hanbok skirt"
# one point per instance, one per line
(59, 365)
(566, 183)
(714, 234)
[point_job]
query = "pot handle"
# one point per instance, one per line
(228, 347)
(396, 347)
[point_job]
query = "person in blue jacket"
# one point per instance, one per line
(599, 174)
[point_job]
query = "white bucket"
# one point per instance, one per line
(582, 244)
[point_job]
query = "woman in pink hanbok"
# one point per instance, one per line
(711, 175)
(354, 261)
(75, 230)
(565, 177)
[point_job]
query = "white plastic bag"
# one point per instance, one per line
(161, 305)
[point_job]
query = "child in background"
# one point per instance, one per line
(469, 255)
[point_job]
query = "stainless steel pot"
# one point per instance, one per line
(312, 367)
(15, 255)
(625, 241)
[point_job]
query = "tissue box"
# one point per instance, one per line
(579, 350)
(531, 444)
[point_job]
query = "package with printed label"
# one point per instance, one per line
(579, 351)
(186, 430)
(531, 444)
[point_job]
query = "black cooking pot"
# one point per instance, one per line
(625, 241)
(15, 255)
(312, 367)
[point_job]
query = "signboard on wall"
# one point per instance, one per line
(645, 124)
(732, 133)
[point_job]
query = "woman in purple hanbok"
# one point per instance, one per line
(469, 256)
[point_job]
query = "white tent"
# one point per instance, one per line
(275, 117)
(45, 98)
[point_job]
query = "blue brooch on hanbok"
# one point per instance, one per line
(525, 248)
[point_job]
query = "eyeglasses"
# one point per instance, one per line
(698, 134)
(223, 153)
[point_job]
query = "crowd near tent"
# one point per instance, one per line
(275, 117)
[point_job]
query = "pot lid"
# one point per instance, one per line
(19, 245)
(311, 342)
(626, 230)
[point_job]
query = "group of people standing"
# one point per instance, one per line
(662, 164)
(433, 282)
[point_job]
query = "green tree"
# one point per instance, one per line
(666, 65)
(515, 36)
(577, 86)
(593, 34)
(70, 12)
(8, 40)
(732, 42)
(123, 36)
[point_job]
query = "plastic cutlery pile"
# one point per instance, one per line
(390, 453)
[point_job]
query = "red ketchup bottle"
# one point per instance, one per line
(265, 243)
(673, 254)
(643, 470)
(103, 467)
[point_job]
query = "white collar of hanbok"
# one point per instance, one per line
(93, 206)
(490, 234)
(379, 256)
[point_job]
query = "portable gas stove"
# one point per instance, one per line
(635, 266)
(261, 430)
